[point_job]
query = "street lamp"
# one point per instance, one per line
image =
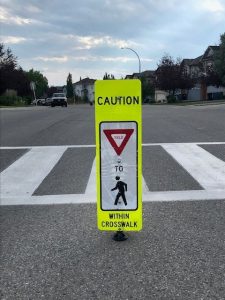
(137, 57)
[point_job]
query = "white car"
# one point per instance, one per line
(38, 101)
(59, 99)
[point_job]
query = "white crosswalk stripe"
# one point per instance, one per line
(22, 178)
(27, 173)
(207, 169)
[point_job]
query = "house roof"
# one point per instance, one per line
(192, 61)
(85, 81)
(215, 47)
(197, 60)
(187, 61)
(206, 54)
(128, 76)
(147, 73)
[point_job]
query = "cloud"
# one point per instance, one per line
(123, 59)
(89, 42)
(65, 58)
(33, 9)
(13, 39)
(59, 59)
(214, 6)
(85, 37)
(6, 17)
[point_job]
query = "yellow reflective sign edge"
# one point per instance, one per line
(118, 112)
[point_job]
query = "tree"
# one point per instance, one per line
(7, 59)
(170, 75)
(12, 76)
(108, 76)
(167, 74)
(8, 63)
(211, 78)
(40, 80)
(220, 60)
(148, 89)
(21, 83)
(69, 86)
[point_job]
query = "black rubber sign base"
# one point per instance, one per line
(119, 236)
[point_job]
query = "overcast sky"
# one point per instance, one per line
(84, 37)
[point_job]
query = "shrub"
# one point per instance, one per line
(171, 99)
(12, 101)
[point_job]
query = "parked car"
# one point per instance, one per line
(38, 101)
(48, 101)
(42, 101)
(59, 99)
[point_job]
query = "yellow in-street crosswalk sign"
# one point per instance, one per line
(118, 121)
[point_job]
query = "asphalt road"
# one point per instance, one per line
(56, 251)
(42, 126)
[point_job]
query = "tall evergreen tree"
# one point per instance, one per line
(108, 76)
(69, 86)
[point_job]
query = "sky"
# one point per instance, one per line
(85, 37)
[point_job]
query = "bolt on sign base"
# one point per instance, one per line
(119, 236)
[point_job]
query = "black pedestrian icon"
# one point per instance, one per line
(122, 187)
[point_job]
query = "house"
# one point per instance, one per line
(84, 89)
(148, 75)
(197, 69)
(192, 67)
(208, 58)
(60, 89)
(201, 65)
(161, 96)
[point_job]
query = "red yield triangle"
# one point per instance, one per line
(110, 132)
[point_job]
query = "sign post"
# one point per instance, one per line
(33, 87)
(118, 124)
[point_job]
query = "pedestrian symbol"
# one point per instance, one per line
(121, 187)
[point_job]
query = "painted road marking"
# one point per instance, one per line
(204, 167)
(91, 185)
(93, 146)
(21, 179)
(86, 198)
(26, 174)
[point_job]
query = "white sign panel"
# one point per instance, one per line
(32, 85)
(118, 165)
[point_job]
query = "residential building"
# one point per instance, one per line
(208, 58)
(197, 69)
(201, 65)
(161, 96)
(84, 89)
(148, 75)
(192, 67)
